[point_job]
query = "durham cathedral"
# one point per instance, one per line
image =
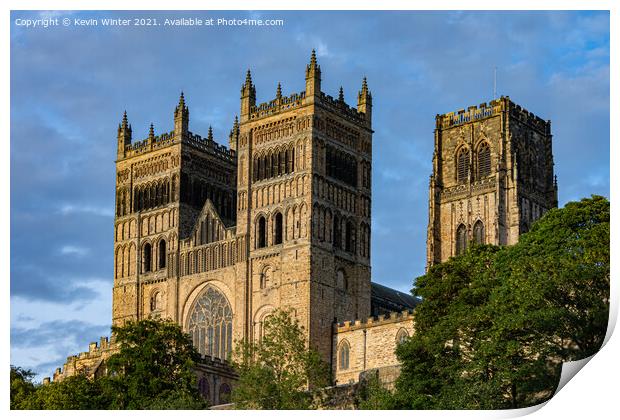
(217, 237)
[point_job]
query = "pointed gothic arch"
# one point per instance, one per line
(461, 239)
(479, 237)
(210, 323)
(462, 164)
(278, 228)
(344, 350)
(483, 160)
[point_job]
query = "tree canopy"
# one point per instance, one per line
(153, 369)
(495, 324)
(279, 371)
(154, 359)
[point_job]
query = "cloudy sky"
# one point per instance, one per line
(70, 85)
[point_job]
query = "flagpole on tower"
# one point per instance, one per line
(495, 82)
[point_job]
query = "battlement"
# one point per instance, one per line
(392, 317)
(86, 359)
(209, 146)
(493, 108)
(277, 105)
(530, 118)
(473, 113)
(167, 139)
(142, 146)
(215, 362)
(342, 107)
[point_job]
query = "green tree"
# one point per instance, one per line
(155, 361)
(372, 395)
(21, 386)
(279, 371)
(177, 400)
(496, 323)
(73, 393)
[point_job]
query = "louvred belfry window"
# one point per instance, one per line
(484, 161)
(462, 172)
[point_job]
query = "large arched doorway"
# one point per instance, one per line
(210, 324)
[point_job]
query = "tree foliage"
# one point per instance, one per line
(277, 371)
(154, 359)
(21, 386)
(74, 393)
(372, 395)
(153, 369)
(496, 323)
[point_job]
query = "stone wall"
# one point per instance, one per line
(371, 345)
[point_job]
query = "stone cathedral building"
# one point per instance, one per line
(492, 177)
(216, 238)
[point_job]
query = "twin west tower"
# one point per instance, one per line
(216, 238)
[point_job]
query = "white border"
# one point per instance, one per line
(592, 395)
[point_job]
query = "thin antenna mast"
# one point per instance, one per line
(495, 83)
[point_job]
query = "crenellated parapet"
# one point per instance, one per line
(164, 140)
(277, 105)
(392, 317)
(493, 108)
(149, 144)
(529, 118)
(209, 146)
(473, 113)
(339, 106)
(87, 362)
(312, 95)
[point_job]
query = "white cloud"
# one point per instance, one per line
(68, 209)
(74, 250)
(314, 42)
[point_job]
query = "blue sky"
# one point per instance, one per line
(70, 85)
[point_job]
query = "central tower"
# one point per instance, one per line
(492, 177)
(303, 194)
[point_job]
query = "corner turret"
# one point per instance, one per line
(313, 77)
(248, 97)
(181, 119)
(233, 136)
(123, 136)
(364, 101)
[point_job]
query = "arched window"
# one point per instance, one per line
(343, 356)
(263, 324)
(162, 254)
(462, 162)
(461, 239)
(349, 237)
(265, 277)
(210, 324)
(484, 160)
(479, 232)
(146, 258)
(158, 195)
(341, 280)
(224, 393)
(401, 336)
(261, 240)
(337, 234)
(203, 387)
(277, 239)
(166, 191)
(156, 301)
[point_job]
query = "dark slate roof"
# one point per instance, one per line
(384, 299)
